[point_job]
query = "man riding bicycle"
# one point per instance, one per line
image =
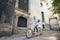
(35, 24)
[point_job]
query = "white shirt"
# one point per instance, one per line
(39, 24)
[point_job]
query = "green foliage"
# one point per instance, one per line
(56, 5)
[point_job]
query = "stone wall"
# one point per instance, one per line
(6, 25)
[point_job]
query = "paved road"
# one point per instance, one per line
(47, 35)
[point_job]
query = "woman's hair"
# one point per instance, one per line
(38, 20)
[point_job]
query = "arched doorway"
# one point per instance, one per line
(22, 22)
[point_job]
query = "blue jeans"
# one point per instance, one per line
(35, 28)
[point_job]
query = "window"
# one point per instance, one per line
(42, 13)
(22, 22)
(23, 4)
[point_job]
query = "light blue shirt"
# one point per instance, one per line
(35, 22)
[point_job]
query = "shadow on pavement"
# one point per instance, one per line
(58, 35)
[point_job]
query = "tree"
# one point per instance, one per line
(56, 5)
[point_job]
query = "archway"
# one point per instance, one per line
(22, 22)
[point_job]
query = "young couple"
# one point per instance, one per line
(37, 25)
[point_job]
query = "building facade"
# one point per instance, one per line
(26, 9)
(24, 12)
(20, 13)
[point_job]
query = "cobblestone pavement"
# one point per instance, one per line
(47, 35)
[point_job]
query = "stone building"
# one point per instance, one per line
(7, 8)
(24, 12)
(26, 9)
(19, 13)
(21, 16)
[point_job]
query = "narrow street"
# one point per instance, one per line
(47, 35)
(16, 16)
